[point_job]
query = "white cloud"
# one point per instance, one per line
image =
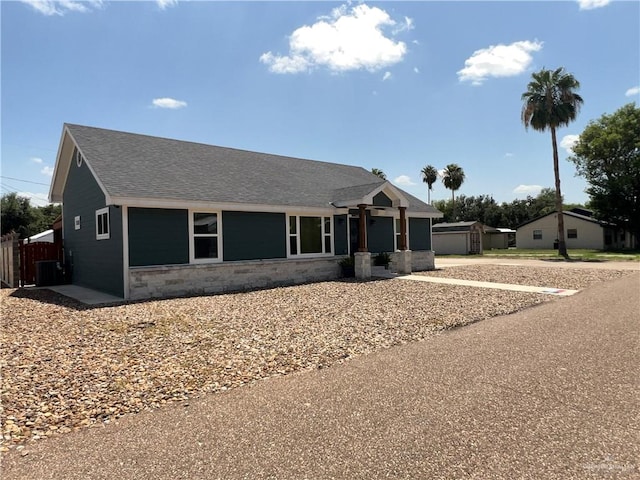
(163, 4)
(386, 76)
(527, 189)
(416, 70)
(404, 180)
(36, 160)
(60, 7)
(633, 91)
(498, 61)
(351, 38)
(166, 102)
(508, 155)
(568, 141)
(48, 171)
(591, 4)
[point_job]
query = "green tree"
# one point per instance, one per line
(429, 176)
(549, 103)
(379, 173)
(17, 215)
(607, 155)
(453, 177)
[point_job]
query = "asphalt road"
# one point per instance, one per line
(547, 393)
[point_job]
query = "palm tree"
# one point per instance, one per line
(429, 176)
(551, 102)
(379, 173)
(453, 177)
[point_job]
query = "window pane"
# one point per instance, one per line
(293, 245)
(327, 225)
(327, 244)
(292, 225)
(205, 223)
(572, 233)
(206, 247)
(310, 235)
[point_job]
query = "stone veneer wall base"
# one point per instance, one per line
(203, 279)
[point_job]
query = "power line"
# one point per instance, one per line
(25, 181)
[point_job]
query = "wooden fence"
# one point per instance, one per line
(31, 253)
(10, 258)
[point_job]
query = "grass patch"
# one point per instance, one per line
(582, 254)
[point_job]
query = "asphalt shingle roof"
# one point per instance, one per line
(142, 166)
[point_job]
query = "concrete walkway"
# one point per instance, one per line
(550, 392)
(85, 295)
(499, 286)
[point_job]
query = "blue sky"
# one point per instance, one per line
(390, 85)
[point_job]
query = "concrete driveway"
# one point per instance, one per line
(548, 393)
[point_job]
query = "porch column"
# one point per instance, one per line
(403, 228)
(362, 258)
(362, 229)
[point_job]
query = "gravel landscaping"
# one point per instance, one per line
(565, 278)
(66, 366)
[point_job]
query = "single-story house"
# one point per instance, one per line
(145, 217)
(581, 231)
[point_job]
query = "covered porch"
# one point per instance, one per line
(379, 223)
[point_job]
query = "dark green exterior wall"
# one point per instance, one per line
(380, 232)
(158, 236)
(381, 200)
(96, 264)
(419, 234)
(340, 240)
(254, 236)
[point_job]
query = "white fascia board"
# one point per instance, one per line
(60, 172)
(397, 198)
(219, 206)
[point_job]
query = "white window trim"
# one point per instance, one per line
(534, 234)
(192, 253)
(99, 213)
(396, 233)
(323, 234)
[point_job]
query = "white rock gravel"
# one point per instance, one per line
(65, 366)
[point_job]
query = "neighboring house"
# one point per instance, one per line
(581, 231)
(145, 217)
(458, 238)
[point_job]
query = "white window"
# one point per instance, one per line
(310, 235)
(76, 222)
(572, 233)
(205, 236)
(102, 224)
(396, 233)
(537, 234)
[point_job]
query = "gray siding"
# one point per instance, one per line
(381, 200)
(93, 263)
(419, 234)
(340, 240)
(158, 236)
(254, 236)
(380, 232)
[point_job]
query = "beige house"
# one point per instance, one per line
(581, 231)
